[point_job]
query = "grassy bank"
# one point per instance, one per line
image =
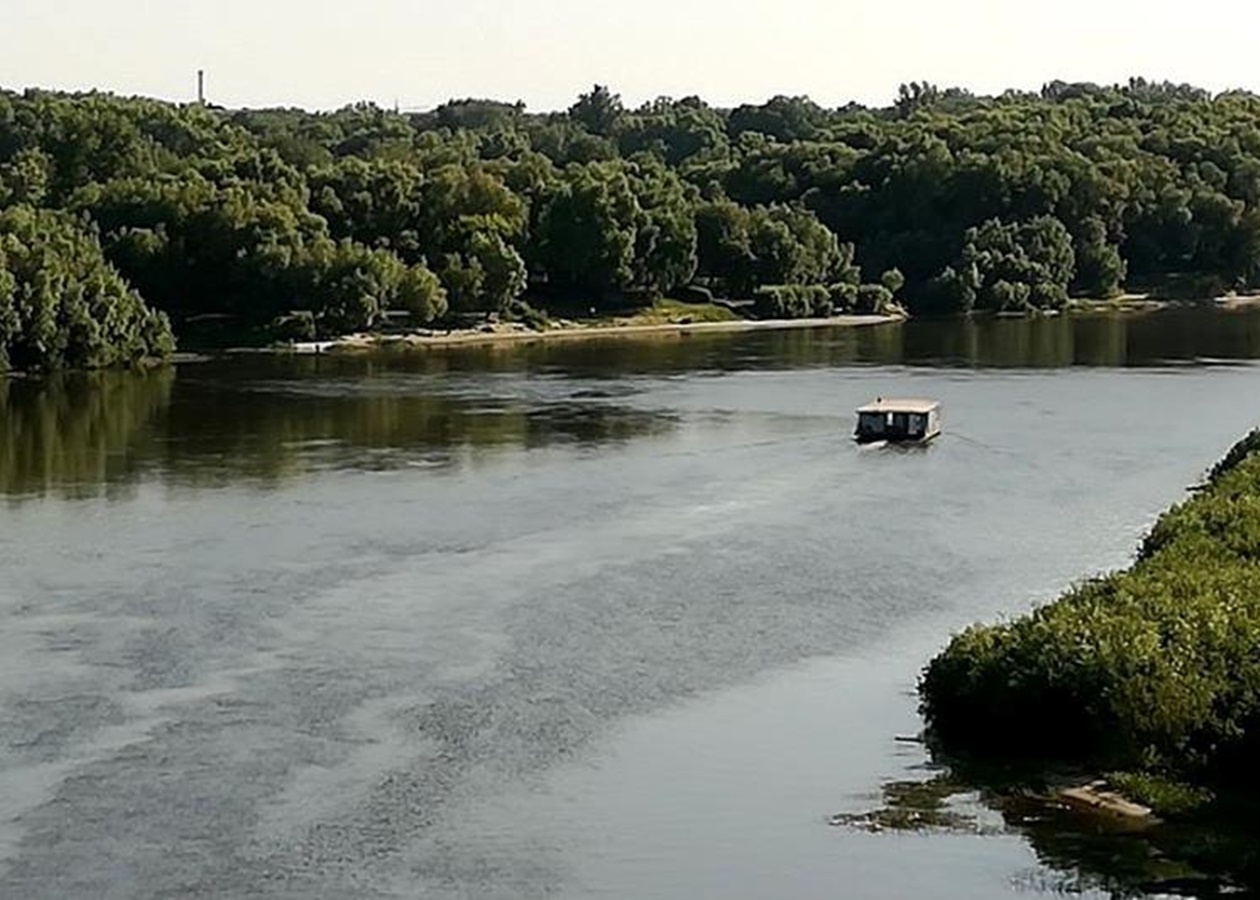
(675, 312)
(1154, 671)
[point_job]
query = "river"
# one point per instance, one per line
(617, 618)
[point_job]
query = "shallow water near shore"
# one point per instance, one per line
(619, 619)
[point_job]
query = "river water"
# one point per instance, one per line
(622, 619)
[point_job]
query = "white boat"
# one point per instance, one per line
(900, 421)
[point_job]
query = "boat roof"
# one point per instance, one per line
(905, 405)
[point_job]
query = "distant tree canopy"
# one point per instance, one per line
(1012, 202)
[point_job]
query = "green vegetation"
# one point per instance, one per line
(283, 223)
(676, 312)
(1168, 798)
(1154, 670)
(61, 303)
(78, 434)
(915, 806)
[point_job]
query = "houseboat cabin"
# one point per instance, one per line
(898, 421)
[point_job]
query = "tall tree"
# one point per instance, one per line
(598, 111)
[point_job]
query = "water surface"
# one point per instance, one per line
(620, 618)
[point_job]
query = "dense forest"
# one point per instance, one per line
(124, 221)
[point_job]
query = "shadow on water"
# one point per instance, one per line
(1104, 339)
(79, 435)
(269, 419)
(1080, 851)
(98, 434)
(1098, 340)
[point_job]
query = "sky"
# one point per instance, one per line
(419, 53)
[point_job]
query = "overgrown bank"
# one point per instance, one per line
(303, 225)
(1154, 670)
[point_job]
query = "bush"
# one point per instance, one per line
(520, 311)
(873, 299)
(1153, 669)
(62, 304)
(792, 301)
(844, 296)
(1239, 452)
(295, 326)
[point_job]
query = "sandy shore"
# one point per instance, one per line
(1149, 303)
(510, 334)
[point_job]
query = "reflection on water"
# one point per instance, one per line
(1099, 339)
(407, 589)
(1092, 339)
(271, 418)
(1165, 860)
(75, 434)
(1081, 852)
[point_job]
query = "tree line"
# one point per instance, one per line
(125, 221)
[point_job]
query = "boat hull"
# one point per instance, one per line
(887, 439)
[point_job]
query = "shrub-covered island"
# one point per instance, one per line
(1153, 671)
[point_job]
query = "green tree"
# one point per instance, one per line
(665, 240)
(25, 179)
(598, 111)
(1100, 270)
(587, 232)
(1015, 266)
(62, 304)
(486, 277)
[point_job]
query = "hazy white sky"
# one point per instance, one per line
(318, 53)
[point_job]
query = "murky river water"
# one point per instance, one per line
(619, 619)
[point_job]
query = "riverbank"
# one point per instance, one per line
(682, 320)
(1154, 301)
(1150, 671)
(505, 333)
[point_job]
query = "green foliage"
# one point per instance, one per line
(873, 299)
(485, 277)
(949, 201)
(677, 132)
(741, 249)
(893, 280)
(350, 286)
(1236, 456)
(610, 229)
(587, 232)
(678, 311)
(520, 311)
(1152, 670)
(1100, 269)
(62, 304)
(792, 301)
(1168, 798)
(1015, 267)
(786, 119)
(597, 111)
(376, 202)
(25, 179)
